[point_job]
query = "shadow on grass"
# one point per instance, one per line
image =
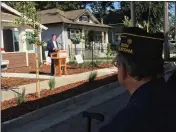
(29, 106)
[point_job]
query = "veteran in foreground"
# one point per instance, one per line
(151, 107)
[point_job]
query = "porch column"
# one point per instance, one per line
(83, 40)
(106, 40)
(2, 39)
(112, 36)
(22, 43)
(102, 37)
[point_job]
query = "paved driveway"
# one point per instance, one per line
(78, 124)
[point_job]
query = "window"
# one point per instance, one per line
(29, 45)
(117, 36)
(84, 18)
(77, 32)
(98, 37)
(16, 40)
(74, 33)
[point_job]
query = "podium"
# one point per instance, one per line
(60, 64)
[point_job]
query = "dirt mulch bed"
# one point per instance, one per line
(14, 82)
(45, 69)
(11, 110)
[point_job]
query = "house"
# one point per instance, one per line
(68, 24)
(115, 20)
(13, 44)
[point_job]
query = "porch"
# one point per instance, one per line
(13, 44)
(14, 48)
(92, 37)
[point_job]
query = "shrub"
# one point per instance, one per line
(52, 83)
(74, 63)
(98, 62)
(92, 76)
(85, 65)
(20, 97)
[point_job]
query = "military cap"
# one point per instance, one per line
(138, 44)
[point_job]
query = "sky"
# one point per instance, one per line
(117, 6)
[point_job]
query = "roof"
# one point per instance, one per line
(52, 16)
(6, 16)
(114, 17)
(75, 13)
(7, 19)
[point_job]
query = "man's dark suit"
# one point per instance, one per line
(50, 48)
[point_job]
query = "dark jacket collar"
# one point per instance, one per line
(155, 85)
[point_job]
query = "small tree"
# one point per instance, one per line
(20, 97)
(30, 17)
(92, 76)
(52, 83)
(109, 50)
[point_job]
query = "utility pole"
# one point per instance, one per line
(133, 14)
(175, 22)
(166, 31)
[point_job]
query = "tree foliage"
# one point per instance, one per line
(99, 8)
(152, 12)
(29, 17)
(43, 5)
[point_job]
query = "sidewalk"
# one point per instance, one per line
(60, 81)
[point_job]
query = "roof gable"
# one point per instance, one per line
(76, 14)
(51, 16)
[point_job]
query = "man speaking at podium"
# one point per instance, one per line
(52, 46)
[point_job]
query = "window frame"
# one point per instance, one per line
(13, 35)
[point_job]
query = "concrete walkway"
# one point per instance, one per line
(60, 81)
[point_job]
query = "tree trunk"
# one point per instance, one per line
(37, 72)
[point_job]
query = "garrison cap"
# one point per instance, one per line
(136, 43)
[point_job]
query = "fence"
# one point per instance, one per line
(93, 52)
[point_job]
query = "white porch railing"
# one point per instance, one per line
(4, 64)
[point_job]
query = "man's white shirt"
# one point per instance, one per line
(55, 45)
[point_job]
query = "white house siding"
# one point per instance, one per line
(90, 21)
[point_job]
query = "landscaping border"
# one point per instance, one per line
(44, 117)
